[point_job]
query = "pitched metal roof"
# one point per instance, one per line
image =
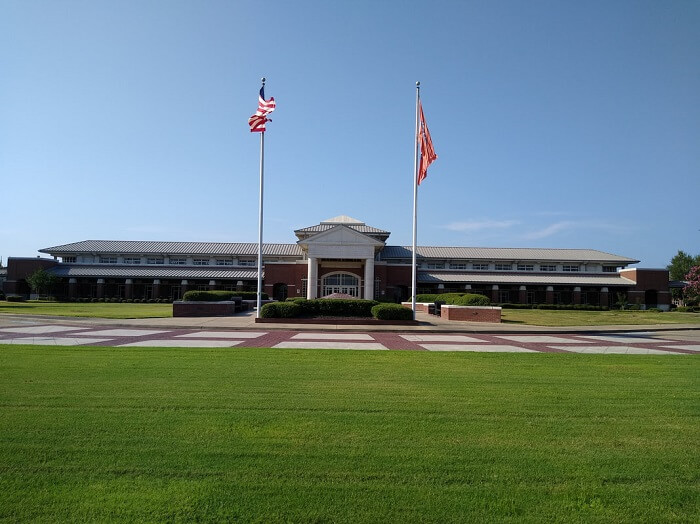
(504, 253)
(362, 228)
(578, 279)
(65, 270)
(174, 248)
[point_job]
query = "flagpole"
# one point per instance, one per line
(415, 205)
(260, 219)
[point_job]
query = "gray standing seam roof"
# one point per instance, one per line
(175, 248)
(504, 253)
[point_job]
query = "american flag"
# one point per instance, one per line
(265, 107)
(427, 151)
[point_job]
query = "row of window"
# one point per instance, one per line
(568, 268)
(173, 261)
(252, 262)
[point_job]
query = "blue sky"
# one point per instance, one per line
(556, 123)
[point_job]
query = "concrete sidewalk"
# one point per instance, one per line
(246, 321)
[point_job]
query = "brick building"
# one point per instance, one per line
(342, 255)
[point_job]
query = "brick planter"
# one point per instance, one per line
(471, 313)
(422, 307)
(223, 308)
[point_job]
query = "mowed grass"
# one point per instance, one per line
(544, 317)
(265, 435)
(89, 309)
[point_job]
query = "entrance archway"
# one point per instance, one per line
(340, 283)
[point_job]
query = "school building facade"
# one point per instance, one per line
(342, 255)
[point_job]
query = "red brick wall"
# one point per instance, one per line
(471, 313)
(290, 274)
(203, 309)
(20, 268)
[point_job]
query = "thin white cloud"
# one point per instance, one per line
(480, 225)
(568, 225)
(549, 230)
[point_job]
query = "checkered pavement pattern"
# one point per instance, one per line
(615, 343)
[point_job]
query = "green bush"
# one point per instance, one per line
(217, 296)
(280, 310)
(470, 299)
(386, 311)
(338, 307)
(680, 309)
(455, 299)
(14, 298)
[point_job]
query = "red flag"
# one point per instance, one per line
(427, 151)
(265, 107)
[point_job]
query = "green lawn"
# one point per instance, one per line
(270, 435)
(543, 317)
(97, 309)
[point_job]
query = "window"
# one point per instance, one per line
(224, 261)
(341, 283)
(201, 261)
(108, 260)
(178, 261)
(609, 269)
(480, 267)
(458, 265)
(436, 265)
(155, 260)
(69, 260)
(132, 260)
(504, 267)
(570, 268)
(247, 262)
(526, 267)
(548, 267)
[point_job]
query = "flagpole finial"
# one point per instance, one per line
(417, 84)
(263, 80)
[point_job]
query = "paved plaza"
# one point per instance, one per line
(57, 333)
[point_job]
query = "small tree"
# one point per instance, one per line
(691, 292)
(42, 280)
(679, 267)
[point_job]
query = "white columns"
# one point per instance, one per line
(369, 279)
(312, 278)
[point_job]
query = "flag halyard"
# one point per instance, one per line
(265, 107)
(427, 151)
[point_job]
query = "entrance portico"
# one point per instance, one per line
(344, 255)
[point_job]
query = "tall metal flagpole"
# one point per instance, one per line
(260, 219)
(415, 205)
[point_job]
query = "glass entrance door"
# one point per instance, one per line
(341, 283)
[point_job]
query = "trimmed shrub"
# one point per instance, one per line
(470, 299)
(386, 311)
(338, 307)
(680, 309)
(217, 296)
(280, 310)
(14, 298)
